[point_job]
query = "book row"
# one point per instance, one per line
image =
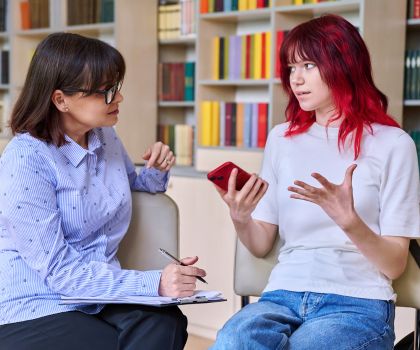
(180, 138)
(176, 81)
(245, 56)
(412, 75)
(35, 14)
(207, 6)
(243, 125)
(242, 56)
(90, 11)
(177, 20)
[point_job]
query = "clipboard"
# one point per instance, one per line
(199, 297)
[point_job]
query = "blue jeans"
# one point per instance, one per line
(287, 320)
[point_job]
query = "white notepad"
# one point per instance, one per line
(199, 296)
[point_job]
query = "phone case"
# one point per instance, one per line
(220, 176)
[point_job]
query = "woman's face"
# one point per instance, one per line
(84, 113)
(309, 88)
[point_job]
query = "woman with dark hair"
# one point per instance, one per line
(340, 184)
(65, 182)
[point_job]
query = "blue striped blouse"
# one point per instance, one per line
(63, 212)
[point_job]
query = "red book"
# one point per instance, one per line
(248, 57)
(25, 15)
(260, 4)
(279, 42)
(416, 9)
(262, 124)
(263, 58)
(228, 123)
(204, 6)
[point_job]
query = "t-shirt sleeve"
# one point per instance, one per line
(399, 190)
(267, 207)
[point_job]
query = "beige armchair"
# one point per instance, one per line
(154, 224)
(251, 275)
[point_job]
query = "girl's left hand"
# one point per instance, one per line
(159, 156)
(336, 200)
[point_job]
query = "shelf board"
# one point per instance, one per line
(238, 16)
(413, 23)
(236, 82)
(4, 87)
(186, 40)
(181, 104)
(90, 28)
(323, 7)
(4, 35)
(208, 158)
(412, 103)
(41, 32)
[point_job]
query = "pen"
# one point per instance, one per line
(171, 257)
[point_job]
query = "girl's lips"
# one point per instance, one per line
(116, 111)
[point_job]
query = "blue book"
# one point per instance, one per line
(247, 124)
(254, 125)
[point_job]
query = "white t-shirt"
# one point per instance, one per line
(316, 255)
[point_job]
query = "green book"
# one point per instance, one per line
(189, 81)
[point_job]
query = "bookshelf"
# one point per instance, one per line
(367, 15)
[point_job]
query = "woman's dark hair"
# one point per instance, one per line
(343, 60)
(62, 61)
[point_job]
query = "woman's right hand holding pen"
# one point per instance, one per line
(242, 203)
(178, 280)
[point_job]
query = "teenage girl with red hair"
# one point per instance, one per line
(340, 184)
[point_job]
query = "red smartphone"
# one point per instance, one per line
(220, 176)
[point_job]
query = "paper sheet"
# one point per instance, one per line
(204, 296)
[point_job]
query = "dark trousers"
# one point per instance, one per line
(122, 327)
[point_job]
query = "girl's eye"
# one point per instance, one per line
(309, 65)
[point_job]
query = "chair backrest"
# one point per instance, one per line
(251, 275)
(154, 224)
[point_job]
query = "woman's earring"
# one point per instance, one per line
(66, 109)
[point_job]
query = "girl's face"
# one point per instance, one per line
(309, 88)
(83, 113)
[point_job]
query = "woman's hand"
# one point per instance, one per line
(179, 281)
(242, 203)
(159, 156)
(336, 200)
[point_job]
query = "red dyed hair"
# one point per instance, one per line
(342, 57)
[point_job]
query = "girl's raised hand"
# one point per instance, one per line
(336, 200)
(242, 203)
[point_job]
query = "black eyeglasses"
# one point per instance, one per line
(108, 94)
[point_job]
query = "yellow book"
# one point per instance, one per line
(215, 117)
(251, 56)
(267, 55)
(252, 4)
(239, 124)
(257, 52)
(243, 56)
(215, 57)
(205, 130)
(242, 5)
(297, 2)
